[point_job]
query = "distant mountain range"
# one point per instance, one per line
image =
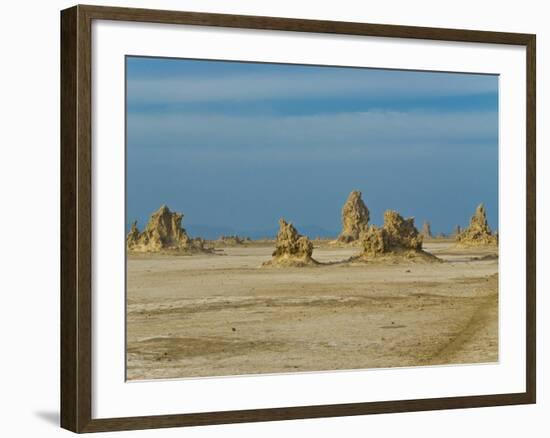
(213, 232)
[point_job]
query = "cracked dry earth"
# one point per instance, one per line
(219, 315)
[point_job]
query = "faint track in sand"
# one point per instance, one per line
(480, 333)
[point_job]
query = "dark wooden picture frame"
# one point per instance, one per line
(76, 218)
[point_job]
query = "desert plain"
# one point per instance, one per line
(222, 313)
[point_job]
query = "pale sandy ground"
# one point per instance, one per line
(217, 315)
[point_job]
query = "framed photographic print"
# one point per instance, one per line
(270, 218)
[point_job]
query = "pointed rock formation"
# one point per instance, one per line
(291, 248)
(133, 236)
(162, 233)
(426, 230)
(478, 232)
(457, 230)
(397, 239)
(233, 240)
(355, 218)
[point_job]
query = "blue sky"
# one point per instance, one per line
(235, 146)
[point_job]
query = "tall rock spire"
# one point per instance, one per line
(355, 218)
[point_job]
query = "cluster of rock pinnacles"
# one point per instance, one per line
(291, 248)
(162, 233)
(478, 232)
(397, 237)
